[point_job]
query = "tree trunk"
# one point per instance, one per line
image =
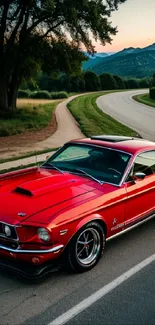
(8, 94)
(14, 86)
(13, 92)
(4, 100)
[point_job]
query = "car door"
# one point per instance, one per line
(140, 201)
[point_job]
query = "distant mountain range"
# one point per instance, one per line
(130, 62)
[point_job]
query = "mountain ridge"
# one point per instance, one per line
(129, 62)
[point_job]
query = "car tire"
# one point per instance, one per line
(86, 247)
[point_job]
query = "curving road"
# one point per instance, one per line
(123, 108)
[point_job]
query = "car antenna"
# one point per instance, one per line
(36, 158)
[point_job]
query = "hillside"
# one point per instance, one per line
(131, 62)
(93, 60)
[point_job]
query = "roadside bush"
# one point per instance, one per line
(152, 93)
(59, 95)
(23, 93)
(42, 94)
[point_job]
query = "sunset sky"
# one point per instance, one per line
(135, 21)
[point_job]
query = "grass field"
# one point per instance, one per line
(24, 102)
(28, 116)
(92, 120)
(144, 99)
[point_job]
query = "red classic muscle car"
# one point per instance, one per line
(89, 191)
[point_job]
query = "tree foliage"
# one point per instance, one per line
(119, 82)
(92, 81)
(47, 34)
(153, 81)
(133, 84)
(152, 93)
(108, 82)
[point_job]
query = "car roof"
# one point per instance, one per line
(131, 145)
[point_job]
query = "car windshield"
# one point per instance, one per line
(103, 164)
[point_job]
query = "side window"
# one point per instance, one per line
(144, 163)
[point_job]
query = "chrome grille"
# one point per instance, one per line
(8, 243)
(12, 228)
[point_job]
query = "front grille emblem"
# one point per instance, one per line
(21, 214)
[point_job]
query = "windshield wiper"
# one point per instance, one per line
(90, 176)
(50, 165)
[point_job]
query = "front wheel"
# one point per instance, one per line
(86, 247)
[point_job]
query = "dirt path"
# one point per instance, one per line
(62, 128)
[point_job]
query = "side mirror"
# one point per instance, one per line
(139, 176)
(47, 157)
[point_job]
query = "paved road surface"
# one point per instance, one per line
(122, 107)
(130, 303)
(39, 304)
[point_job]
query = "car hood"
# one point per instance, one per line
(26, 193)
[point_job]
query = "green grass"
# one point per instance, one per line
(12, 169)
(92, 120)
(144, 99)
(29, 117)
(30, 154)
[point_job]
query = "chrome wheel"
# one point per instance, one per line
(88, 246)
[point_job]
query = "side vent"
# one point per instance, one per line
(23, 191)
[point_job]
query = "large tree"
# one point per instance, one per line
(47, 34)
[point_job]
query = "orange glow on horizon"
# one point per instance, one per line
(135, 24)
(114, 47)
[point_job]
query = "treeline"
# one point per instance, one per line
(152, 87)
(86, 81)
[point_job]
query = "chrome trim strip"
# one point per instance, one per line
(28, 251)
(130, 228)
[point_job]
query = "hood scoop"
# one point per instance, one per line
(46, 185)
(23, 191)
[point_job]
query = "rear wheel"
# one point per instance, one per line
(86, 247)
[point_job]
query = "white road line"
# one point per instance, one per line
(68, 315)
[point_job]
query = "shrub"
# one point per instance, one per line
(4, 133)
(152, 93)
(42, 94)
(59, 95)
(23, 93)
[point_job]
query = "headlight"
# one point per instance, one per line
(43, 234)
(7, 231)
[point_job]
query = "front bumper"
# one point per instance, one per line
(20, 260)
(54, 249)
(30, 271)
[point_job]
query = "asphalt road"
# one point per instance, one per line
(40, 303)
(131, 303)
(123, 108)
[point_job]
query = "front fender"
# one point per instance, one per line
(90, 218)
